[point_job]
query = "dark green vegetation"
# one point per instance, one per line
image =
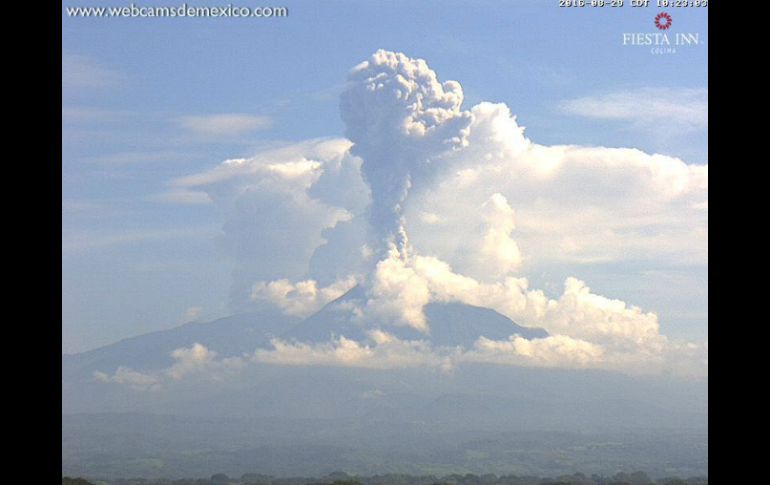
(74, 481)
(338, 478)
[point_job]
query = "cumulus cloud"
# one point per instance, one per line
(499, 253)
(200, 361)
(427, 202)
(572, 204)
(191, 360)
(602, 332)
(131, 378)
(384, 352)
(404, 282)
(278, 205)
(302, 298)
(397, 294)
(196, 361)
(581, 313)
(552, 351)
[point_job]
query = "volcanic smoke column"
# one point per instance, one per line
(399, 116)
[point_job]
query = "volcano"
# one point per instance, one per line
(451, 325)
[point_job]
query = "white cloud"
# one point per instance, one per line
(397, 294)
(85, 73)
(382, 350)
(195, 359)
(580, 313)
(511, 296)
(302, 298)
(278, 206)
(573, 204)
(389, 352)
(552, 351)
(482, 205)
(131, 378)
(411, 281)
(427, 161)
(225, 124)
(498, 253)
(385, 352)
(685, 110)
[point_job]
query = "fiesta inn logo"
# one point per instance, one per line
(663, 21)
(662, 42)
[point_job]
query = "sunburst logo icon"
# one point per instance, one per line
(663, 21)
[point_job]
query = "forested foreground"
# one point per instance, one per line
(622, 478)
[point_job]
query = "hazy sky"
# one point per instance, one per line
(151, 104)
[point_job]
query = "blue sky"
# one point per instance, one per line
(138, 257)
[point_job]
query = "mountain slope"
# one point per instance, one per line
(227, 336)
(451, 324)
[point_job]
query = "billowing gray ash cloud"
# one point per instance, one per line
(310, 221)
(399, 116)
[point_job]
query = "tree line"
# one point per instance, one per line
(621, 478)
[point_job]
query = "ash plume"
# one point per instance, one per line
(399, 116)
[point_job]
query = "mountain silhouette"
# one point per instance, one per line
(451, 324)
